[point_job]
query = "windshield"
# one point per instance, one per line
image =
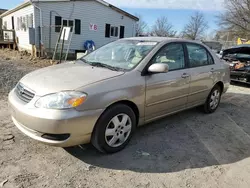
(242, 55)
(237, 56)
(123, 54)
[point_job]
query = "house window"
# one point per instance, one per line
(65, 23)
(69, 23)
(114, 31)
(5, 25)
(23, 23)
(27, 20)
(30, 21)
(111, 31)
(18, 24)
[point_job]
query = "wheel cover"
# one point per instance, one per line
(214, 99)
(118, 130)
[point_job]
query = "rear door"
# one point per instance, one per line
(167, 92)
(202, 72)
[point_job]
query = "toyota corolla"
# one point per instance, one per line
(102, 97)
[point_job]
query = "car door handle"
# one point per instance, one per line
(212, 70)
(185, 75)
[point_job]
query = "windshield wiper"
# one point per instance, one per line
(83, 60)
(98, 64)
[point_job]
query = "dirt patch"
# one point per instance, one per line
(189, 149)
(14, 65)
(23, 57)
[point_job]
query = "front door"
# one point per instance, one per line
(167, 92)
(202, 72)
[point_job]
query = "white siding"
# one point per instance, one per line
(88, 12)
(23, 36)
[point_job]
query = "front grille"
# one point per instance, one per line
(24, 93)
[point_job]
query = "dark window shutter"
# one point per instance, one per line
(107, 31)
(58, 23)
(77, 26)
(122, 30)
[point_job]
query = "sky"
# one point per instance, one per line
(177, 11)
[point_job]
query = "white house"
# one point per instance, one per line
(41, 20)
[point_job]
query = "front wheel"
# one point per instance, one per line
(213, 100)
(114, 129)
(248, 79)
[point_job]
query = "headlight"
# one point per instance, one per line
(61, 100)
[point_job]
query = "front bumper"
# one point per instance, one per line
(240, 76)
(36, 122)
(240, 73)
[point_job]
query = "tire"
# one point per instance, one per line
(208, 107)
(248, 79)
(111, 134)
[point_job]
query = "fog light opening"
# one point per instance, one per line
(56, 137)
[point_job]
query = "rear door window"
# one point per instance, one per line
(198, 55)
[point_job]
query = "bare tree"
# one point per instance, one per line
(196, 27)
(236, 18)
(141, 26)
(163, 28)
(225, 35)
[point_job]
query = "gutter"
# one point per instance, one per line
(23, 5)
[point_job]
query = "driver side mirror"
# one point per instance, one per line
(158, 68)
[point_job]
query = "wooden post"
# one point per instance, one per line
(14, 40)
(33, 52)
(58, 40)
(40, 47)
(62, 46)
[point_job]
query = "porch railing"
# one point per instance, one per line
(7, 36)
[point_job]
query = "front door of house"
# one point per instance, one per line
(13, 22)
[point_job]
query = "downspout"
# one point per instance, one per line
(50, 25)
(41, 21)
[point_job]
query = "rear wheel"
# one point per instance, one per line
(213, 100)
(114, 129)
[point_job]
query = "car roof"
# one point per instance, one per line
(162, 39)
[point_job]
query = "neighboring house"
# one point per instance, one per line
(1, 12)
(213, 45)
(90, 20)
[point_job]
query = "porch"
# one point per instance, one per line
(7, 39)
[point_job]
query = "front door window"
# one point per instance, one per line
(173, 55)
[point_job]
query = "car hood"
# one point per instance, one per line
(67, 76)
(244, 49)
(237, 53)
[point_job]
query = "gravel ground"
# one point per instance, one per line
(189, 149)
(14, 65)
